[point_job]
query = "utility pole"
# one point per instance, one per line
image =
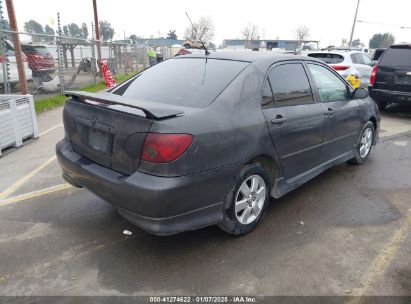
(17, 47)
(354, 23)
(97, 28)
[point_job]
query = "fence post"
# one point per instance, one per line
(60, 55)
(3, 52)
(93, 55)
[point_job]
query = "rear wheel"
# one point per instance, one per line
(364, 144)
(246, 201)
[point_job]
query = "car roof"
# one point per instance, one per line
(339, 52)
(247, 56)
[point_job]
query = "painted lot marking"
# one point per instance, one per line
(24, 179)
(51, 129)
(34, 194)
(383, 260)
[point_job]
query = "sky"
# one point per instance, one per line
(329, 20)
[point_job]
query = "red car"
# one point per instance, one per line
(40, 60)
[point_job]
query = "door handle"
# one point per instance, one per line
(279, 119)
(329, 112)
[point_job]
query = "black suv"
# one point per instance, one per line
(391, 78)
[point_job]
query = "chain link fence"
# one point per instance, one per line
(56, 63)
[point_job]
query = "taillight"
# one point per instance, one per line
(340, 67)
(373, 75)
(1, 59)
(164, 148)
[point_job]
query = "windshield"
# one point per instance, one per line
(328, 57)
(192, 82)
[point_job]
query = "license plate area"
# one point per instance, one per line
(96, 137)
(403, 80)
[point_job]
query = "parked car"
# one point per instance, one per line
(11, 59)
(376, 54)
(41, 62)
(347, 62)
(391, 77)
(213, 137)
(194, 44)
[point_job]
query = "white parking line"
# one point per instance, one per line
(24, 179)
(34, 194)
(51, 129)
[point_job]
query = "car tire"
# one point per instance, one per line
(241, 213)
(364, 144)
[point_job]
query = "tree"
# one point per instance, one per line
(65, 30)
(202, 30)
(250, 33)
(381, 40)
(84, 29)
(75, 31)
(357, 42)
(302, 33)
(6, 26)
(133, 38)
(172, 34)
(107, 32)
(33, 26)
(49, 31)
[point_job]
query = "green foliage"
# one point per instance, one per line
(5, 25)
(381, 40)
(171, 34)
(133, 38)
(107, 32)
(33, 26)
(49, 31)
(75, 31)
(84, 29)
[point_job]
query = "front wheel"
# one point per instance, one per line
(364, 144)
(246, 201)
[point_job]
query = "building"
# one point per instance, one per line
(288, 45)
(158, 41)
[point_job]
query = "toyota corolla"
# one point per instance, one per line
(207, 140)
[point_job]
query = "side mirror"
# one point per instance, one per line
(360, 93)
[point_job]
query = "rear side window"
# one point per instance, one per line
(290, 85)
(191, 82)
(396, 56)
(357, 58)
(329, 58)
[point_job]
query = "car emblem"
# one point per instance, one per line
(93, 120)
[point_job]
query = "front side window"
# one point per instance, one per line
(290, 85)
(329, 86)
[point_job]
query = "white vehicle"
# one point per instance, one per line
(347, 62)
(13, 72)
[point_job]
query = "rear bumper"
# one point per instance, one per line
(159, 205)
(389, 96)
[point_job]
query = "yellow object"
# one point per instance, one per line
(354, 81)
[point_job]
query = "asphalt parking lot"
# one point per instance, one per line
(347, 232)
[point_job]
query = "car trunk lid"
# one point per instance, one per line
(109, 129)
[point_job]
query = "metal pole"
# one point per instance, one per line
(17, 47)
(3, 52)
(97, 28)
(60, 54)
(353, 25)
(93, 56)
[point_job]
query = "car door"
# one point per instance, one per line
(295, 121)
(341, 112)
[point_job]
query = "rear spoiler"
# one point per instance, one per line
(152, 110)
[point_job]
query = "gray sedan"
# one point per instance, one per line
(202, 140)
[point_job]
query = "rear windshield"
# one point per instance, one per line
(377, 54)
(399, 56)
(192, 82)
(328, 57)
